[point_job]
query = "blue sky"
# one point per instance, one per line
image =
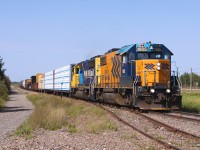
(38, 36)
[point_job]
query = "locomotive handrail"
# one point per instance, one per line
(179, 83)
(135, 83)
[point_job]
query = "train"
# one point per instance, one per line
(136, 76)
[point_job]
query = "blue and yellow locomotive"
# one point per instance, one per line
(137, 75)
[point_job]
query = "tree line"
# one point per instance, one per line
(4, 84)
(188, 78)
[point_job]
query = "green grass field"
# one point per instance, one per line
(191, 102)
(52, 113)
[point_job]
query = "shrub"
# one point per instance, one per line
(3, 93)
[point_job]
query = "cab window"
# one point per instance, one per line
(124, 59)
(143, 56)
(131, 56)
(166, 56)
(155, 55)
(77, 71)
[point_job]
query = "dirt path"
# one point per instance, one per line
(16, 111)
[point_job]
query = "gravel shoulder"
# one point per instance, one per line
(16, 111)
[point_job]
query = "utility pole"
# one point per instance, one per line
(177, 72)
(191, 82)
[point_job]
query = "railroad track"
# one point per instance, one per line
(186, 113)
(179, 116)
(165, 144)
(170, 128)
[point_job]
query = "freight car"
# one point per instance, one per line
(137, 75)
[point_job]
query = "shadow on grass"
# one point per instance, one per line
(190, 110)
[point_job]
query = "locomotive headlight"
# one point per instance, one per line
(152, 90)
(168, 91)
(158, 66)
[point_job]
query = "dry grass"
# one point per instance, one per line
(52, 113)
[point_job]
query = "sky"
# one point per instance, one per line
(39, 36)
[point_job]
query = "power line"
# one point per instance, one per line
(188, 70)
(196, 69)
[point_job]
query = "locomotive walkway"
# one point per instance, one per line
(16, 111)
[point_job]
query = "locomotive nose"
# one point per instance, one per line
(154, 72)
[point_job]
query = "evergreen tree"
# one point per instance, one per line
(4, 85)
(5, 79)
(185, 79)
(1, 69)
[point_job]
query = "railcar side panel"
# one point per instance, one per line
(49, 80)
(40, 80)
(62, 78)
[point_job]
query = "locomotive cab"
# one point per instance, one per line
(154, 87)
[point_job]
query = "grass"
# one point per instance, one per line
(191, 102)
(146, 129)
(149, 148)
(52, 113)
(129, 137)
(72, 128)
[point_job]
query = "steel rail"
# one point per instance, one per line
(186, 113)
(170, 128)
(182, 117)
(165, 144)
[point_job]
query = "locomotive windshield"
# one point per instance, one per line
(143, 56)
(149, 56)
(154, 55)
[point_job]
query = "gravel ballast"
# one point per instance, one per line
(157, 131)
(179, 123)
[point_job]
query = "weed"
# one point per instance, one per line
(25, 130)
(52, 113)
(146, 129)
(75, 110)
(101, 125)
(160, 137)
(72, 128)
(129, 137)
(97, 111)
(149, 148)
